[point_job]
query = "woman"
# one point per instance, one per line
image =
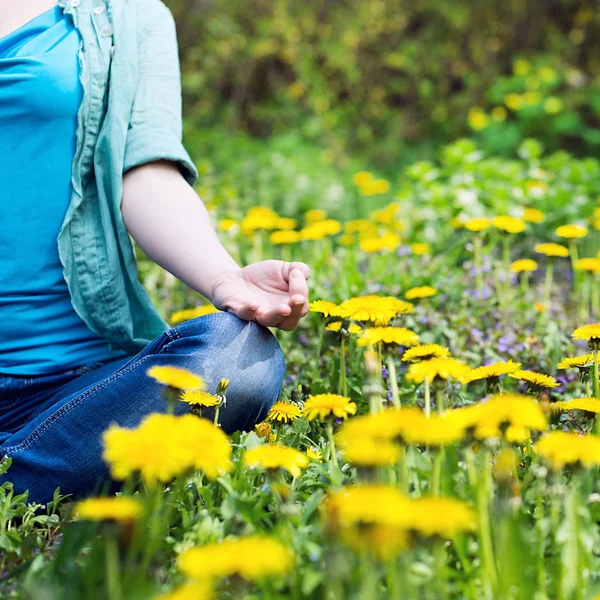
(90, 142)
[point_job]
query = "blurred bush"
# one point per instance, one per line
(393, 79)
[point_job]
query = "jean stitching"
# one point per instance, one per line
(66, 408)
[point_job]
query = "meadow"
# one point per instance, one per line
(437, 433)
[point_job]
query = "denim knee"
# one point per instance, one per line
(245, 353)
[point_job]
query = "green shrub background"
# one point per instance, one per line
(388, 82)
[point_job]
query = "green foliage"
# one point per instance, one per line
(391, 79)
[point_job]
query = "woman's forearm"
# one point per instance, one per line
(168, 220)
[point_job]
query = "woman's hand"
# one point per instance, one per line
(271, 292)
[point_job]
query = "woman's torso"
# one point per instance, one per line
(40, 94)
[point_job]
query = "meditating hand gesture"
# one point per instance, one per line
(271, 292)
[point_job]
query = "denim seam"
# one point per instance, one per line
(66, 408)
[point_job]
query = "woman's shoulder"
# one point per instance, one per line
(151, 14)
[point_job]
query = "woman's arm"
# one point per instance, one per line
(167, 219)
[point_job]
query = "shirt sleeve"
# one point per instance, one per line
(155, 125)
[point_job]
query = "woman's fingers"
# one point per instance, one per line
(271, 317)
(302, 267)
(298, 288)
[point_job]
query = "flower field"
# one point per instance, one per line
(437, 435)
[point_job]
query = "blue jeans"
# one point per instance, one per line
(51, 425)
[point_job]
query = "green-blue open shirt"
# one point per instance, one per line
(130, 115)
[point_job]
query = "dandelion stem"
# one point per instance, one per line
(391, 365)
(112, 568)
(436, 475)
(574, 258)
(524, 284)
(595, 282)
(539, 521)
(332, 448)
(548, 282)
(321, 333)
(506, 260)
(427, 392)
(485, 532)
(441, 400)
(342, 376)
(477, 242)
(596, 389)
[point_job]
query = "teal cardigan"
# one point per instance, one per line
(130, 115)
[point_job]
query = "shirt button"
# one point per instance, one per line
(106, 29)
(99, 10)
(75, 3)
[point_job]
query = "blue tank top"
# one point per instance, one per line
(40, 94)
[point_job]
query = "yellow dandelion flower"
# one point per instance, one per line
(119, 508)
(576, 362)
(478, 119)
(588, 264)
(513, 101)
(552, 250)
(533, 215)
(425, 291)
(499, 113)
(571, 231)
(284, 236)
(367, 504)
(374, 187)
(562, 448)
(360, 226)
(259, 217)
(525, 265)
(439, 517)
(388, 335)
(315, 454)
(379, 310)
(335, 326)
(537, 380)
(314, 215)
(192, 313)
(192, 590)
(252, 558)
(164, 446)
(385, 426)
(272, 456)
(476, 225)
(347, 239)
(227, 225)
(382, 541)
(320, 229)
(362, 178)
(491, 371)
(263, 430)
(540, 306)
(511, 416)
(321, 406)
(368, 452)
(285, 223)
(389, 242)
(589, 333)
(388, 216)
(587, 404)
(425, 352)
(325, 308)
(441, 368)
(509, 224)
(354, 329)
(199, 398)
(433, 431)
(284, 411)
(181, 379)
(420, 249)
